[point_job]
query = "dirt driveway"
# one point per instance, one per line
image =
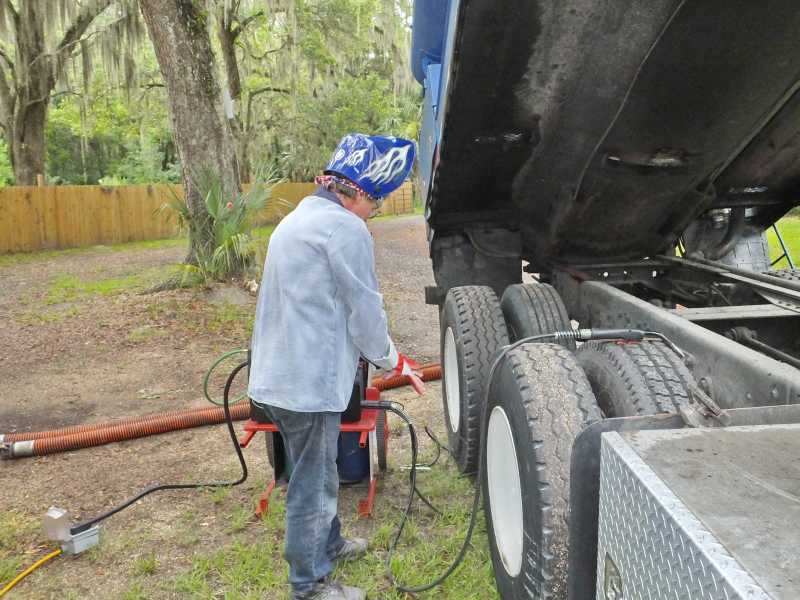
(80, 344)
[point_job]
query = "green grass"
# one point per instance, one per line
(144, 333)
(19, 540)
(262, 233)
(247, 562)
(195, 315)
(68, 288)
(789, 228)
(250, 565)
(7, 260)
(145, 565)
(135, 592)
(45, 317)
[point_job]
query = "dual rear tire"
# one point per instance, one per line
(474, 326)
(472, 331)
(541, 397)
(539, 401)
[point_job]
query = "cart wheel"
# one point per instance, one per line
(473, 330)
(539, 402)
(381, 433)
(645, 378)
(533, 309)
(276, 456)
(270, 448)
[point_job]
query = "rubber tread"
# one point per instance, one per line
(274, 445)
(533, 309)
(546, 381)
(270, 445)
(380, 439)
(644, 378)
(479, 330)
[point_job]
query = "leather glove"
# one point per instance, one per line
(411, 370)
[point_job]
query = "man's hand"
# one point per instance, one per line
(410, 369)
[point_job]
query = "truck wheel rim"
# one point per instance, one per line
(505, 491)
(451, 381)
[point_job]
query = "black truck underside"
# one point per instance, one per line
(599, 130)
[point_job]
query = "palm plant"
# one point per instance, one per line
(230, 219)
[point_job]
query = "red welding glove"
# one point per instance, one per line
(410, 369)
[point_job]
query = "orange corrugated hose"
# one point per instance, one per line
(429, 373)
(133, 430)
(62, 431)
(97, 434)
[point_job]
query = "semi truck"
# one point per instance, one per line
(632, 410)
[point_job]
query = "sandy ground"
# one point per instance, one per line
(97, 358)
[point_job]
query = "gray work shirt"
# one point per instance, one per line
(318, 309)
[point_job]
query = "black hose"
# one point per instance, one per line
(84, 525)
(382, 405)
(439, 448)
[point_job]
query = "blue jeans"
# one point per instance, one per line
(313, 530)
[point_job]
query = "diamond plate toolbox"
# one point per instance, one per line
(651, 546)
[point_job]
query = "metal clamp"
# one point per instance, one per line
(702, 410)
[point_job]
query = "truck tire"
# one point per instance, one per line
(628, 380)
(534, 309)
(457, 263)
(539, 402)
(472, 330)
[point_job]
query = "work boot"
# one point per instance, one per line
(351, 550)
(328, 590)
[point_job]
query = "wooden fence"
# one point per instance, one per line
(52, 217)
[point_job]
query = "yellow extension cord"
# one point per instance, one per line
(28, 571)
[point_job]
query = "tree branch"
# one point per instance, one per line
(268, 52)
(253, 94)
(74, 33)
(258, 91)
(6, 98)
(240, 25)
(10, 63)
(14, 14)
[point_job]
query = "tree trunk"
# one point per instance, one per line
(202, 135)
(227, 32)
(28, 144)
(27, 81)
(35, 82)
